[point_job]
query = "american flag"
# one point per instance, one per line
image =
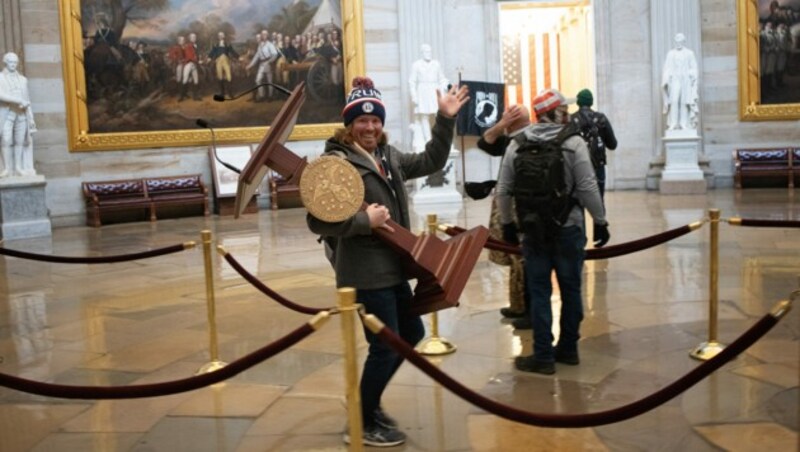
(530, 65)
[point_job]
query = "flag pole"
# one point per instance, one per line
(463, 157)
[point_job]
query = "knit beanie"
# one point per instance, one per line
(363, 99)
(549, 100)
(585, 98)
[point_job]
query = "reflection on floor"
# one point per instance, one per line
(146, 321)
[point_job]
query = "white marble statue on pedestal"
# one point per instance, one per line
(436, 193)
(679, 87)
(426, 77)
(682, 144)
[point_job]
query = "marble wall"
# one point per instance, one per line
(624, 67)
(722, 130)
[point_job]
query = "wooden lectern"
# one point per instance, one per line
(440, 267)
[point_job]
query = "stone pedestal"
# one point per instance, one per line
(437, 193)
(439, 187)
(23, 210)
(682, 174)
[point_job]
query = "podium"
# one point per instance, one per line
(441, 268)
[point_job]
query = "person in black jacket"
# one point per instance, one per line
(598, 134)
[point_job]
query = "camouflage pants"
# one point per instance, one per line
(516, 274)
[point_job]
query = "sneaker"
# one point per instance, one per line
(384, 420)
(529, 364)
(378, 436)
(509, 314)
(522, 323)
(570, 358)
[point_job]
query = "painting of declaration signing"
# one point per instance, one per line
(154, 65)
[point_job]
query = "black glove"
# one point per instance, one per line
(510, 233)
(601, 235)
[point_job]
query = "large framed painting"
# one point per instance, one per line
(140, 73)
(769, 59)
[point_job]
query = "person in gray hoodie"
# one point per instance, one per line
(566, 254)
(365, 262)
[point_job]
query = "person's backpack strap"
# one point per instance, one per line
(567, 131)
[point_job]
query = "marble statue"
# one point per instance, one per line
(426, 77)
(16, 121)
(679, 87)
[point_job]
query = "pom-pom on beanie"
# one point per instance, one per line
(363, 99)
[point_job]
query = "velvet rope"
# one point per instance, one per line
(158, 389)
(637, 245)
(269, 292)
(595, 253)
(584, 419)
(93, 259)
(767, 223)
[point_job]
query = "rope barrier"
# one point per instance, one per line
(584, 419)
(255, 282)
(736, 221)
(96, 259)
(595, 253)
(170, 387)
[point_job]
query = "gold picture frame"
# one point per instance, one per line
(751, 107)
(82, 137)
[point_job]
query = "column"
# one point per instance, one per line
(11, 32)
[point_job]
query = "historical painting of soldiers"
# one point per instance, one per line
(159, 65)
(779, 51)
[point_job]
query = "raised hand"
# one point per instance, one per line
(452, 100)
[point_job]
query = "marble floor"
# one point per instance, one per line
(146, 321)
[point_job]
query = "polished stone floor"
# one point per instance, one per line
(146, 321)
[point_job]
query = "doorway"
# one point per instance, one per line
(546, 44)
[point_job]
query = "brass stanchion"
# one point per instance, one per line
(215, 363)
(347, 307)
(711, 348)
(435, 345)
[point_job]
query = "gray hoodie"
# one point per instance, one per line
(578, 174)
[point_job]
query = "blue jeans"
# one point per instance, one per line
(566, 258)
(391, 306)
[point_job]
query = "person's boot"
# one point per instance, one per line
(183, 93)
(196, 92)
(222, 88)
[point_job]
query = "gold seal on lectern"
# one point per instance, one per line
(331, 189)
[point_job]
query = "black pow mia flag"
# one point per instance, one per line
(484, 108)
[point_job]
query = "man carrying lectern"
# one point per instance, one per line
(361, 259)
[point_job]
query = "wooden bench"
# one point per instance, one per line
(766, 167)
(176, 191)
(146, 195)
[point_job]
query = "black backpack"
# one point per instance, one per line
(590, 133)
(543, 200)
